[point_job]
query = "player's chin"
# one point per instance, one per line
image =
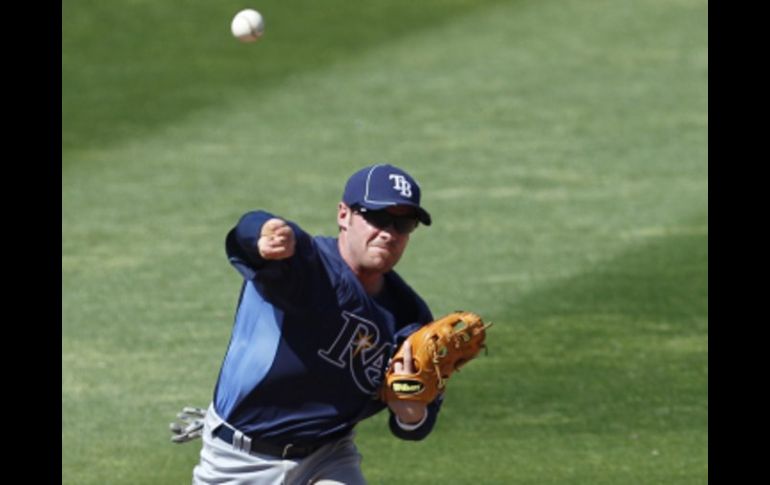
(382, 262)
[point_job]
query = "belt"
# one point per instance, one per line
(288, 451)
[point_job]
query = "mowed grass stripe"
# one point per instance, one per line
(130, 67)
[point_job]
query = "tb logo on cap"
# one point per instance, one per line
(401, 184)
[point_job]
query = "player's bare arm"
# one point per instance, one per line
(276, 240)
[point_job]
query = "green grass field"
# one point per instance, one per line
(562, 146)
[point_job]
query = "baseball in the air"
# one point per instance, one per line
(248, 25)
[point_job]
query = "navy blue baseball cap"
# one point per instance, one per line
(380, 186)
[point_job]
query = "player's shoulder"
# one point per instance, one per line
(327, 248)
(326, 243)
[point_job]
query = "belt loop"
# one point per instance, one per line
(238, 440)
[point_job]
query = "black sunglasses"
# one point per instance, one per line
(383, 219)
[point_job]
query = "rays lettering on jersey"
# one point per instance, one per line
(358, 348)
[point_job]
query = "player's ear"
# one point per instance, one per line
(343, 215)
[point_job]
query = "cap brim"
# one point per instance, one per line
(423, 216)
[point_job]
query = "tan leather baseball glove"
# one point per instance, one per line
(439, 348)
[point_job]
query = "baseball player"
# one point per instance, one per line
(317, 321)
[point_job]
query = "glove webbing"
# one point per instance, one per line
(434, 358)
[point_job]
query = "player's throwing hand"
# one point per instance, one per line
(276, 240)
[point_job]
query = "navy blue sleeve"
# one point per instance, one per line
(283, 282)
(426, 427)
(241, 243)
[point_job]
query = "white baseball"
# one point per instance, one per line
(248, 25)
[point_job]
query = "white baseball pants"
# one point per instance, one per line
(335, 463)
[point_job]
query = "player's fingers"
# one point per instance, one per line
(289, 237)
(276, 240)
(272, 226)
(276, 252)
(272, 252)
(408, 367)
(285, 237)
(282, 230)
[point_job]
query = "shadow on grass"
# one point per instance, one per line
(663, 278)
(621, 348)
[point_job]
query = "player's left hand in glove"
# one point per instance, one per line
(407, 412)
(429, 356)
(189, 425)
